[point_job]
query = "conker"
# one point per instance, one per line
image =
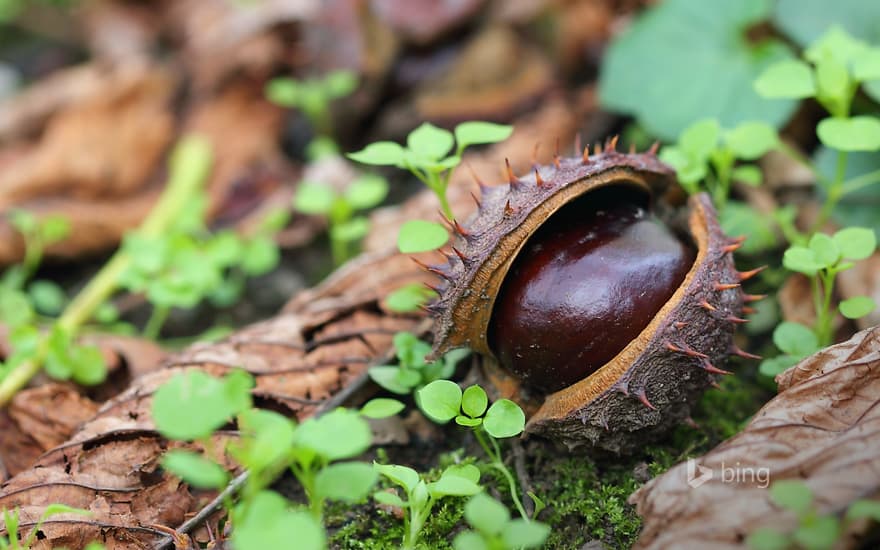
(583, 287)
(600, 303)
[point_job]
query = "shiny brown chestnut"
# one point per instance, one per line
(593, 369)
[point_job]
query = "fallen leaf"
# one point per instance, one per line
(821, 429)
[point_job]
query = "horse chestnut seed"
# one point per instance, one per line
(583, 287)
(601, 307)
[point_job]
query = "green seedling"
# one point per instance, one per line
(494, 530)
(831, 71)
(189, 165)
(37, 233)
(340, 208)
(443, 400)
(413, 371)
(269, 521)
(381, 407)
(431, 153)
(11, 523)
(813, 531)
(313, 97)
(422, 495)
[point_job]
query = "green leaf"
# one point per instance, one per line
(283, 91)
(748, 174)
(351, 434)
(766, 538)
(835, 43)
(366, 192)
(393, 379)
(855, 243)
(819, 534)
(864, 509)
(408, 298)
(792, 495)
(421, 236)
(520, 533)
(440, 400)
(381, 153)
(795, 339)
(193, 404)
(789, 79)
(381, 407)
(467, 471)
(54, 229)
(48, 298)
(469, 540)
(504, 419)
(88, 365)
(474, 133)
(453, 486)
(267, 437)
(856, 307)
(266, 521)
(401, 475)
(195, 469)
(314, 198)
(346, 481)
(802, 260)
(833, 84)
(474, 401)
(702, 44)
(859, 133)
(700, 138)
(751, 140)
(866, 65)
(429, 142)
(825, 250)
(351, 231)
(777, 365)
(259, 256)
(340, 83)
(391, 499)
(486, 514)
(467, 421)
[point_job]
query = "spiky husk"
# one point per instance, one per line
(650, 385)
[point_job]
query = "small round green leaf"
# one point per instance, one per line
(748, 174)
(504, 419)
(486, 514)
(520, 533)
(429, 142)
(366, 192)
(260, 255)
(440, 400)
(346, 481)
(267, 521)
(789, 79)
(469, 540)
(453, 486)
(474, 401)
(855, 243)
(767, 538)
(340, 83)
(825, 250)
(858, 133)
(381, 153)
(353, 230)
(467, 471)
(195, 469)
(314, 198)
(866, 65)
(408, 298)
(381, 407)
(856, 307)
(192, 405)
(777, 365)
(283, 91)
(467, 421)
(351, 434)
(795, 339)
(802, 260)
(421, 236)
(473, 133)
(390, 378)
(48, 298)
(700, 138)
(864, 509)
(54, 228)
(793, 495)
(404, 476)
(750, 140)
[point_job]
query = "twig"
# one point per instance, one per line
(525, 482)
(232, 488)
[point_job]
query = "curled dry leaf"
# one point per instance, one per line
(821, 429)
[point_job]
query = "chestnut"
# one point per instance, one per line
(599, 304)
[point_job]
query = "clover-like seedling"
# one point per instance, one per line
(346, 229)
(443, 400)
(495, 530)
(822, 259)
(268, 521)
(430, 155)
(421, 495)
(813, 531)
(12, 519)
(313, 97)
(412, 370)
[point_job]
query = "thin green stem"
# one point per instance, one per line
(835, 192)
(191, 164)
(495, 456)
(155, 323)
(860, 182)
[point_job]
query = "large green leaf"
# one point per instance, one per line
(689, 59)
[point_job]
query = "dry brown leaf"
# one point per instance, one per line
(823, 429)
